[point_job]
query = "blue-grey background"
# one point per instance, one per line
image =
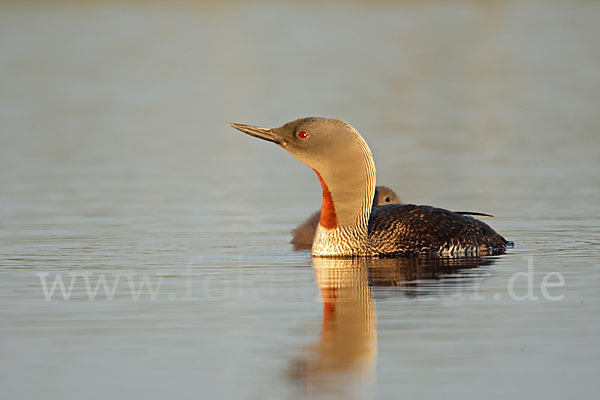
(115, 158)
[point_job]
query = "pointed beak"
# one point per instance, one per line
(261, 133)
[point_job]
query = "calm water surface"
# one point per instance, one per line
(116, 166)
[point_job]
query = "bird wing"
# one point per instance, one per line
(413, 229)
(473, 213)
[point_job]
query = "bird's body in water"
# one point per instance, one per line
(303, 235)
(348, 225)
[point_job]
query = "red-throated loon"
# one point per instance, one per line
(303, 234)
(348, 225)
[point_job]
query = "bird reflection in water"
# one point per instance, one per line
(348, 343)
(343, 360)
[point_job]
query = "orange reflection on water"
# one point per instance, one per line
(344, 359)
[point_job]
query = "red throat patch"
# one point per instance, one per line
(328, 216)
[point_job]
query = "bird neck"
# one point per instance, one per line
(348, 190)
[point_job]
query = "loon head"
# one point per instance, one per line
(340, 157)
(384, 195)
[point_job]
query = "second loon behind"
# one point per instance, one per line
(344, 165)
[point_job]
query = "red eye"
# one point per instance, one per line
(303, 135)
